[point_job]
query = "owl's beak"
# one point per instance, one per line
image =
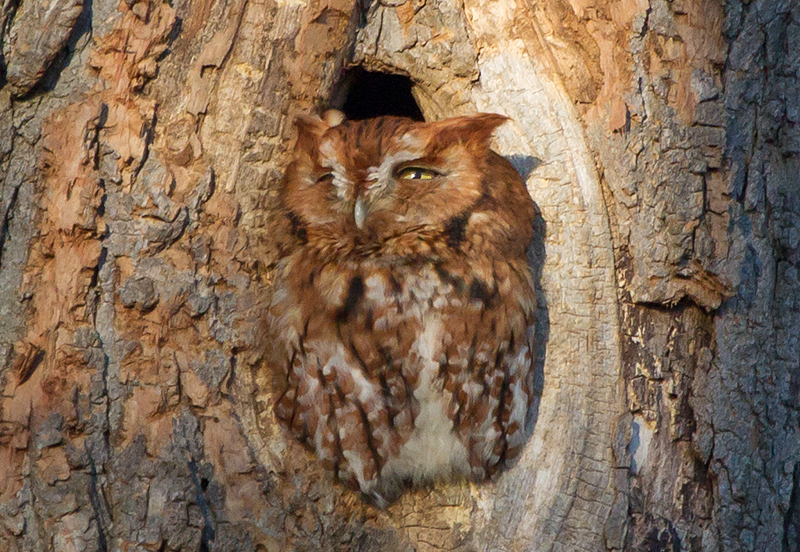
(360, 213)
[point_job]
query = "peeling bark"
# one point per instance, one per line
(141, 144)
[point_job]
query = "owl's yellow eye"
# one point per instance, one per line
(417, 173)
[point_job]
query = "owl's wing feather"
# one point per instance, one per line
(486, 368)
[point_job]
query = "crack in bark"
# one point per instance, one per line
(201, 484)
(7, 216)
(791, 521)
(99, 507)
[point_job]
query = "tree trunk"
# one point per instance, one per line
(141, 145)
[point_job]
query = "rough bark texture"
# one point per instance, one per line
(141, 144)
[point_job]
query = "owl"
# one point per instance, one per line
(402, 318)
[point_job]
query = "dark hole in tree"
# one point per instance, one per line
(363, 94)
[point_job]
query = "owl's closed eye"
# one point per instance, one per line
(403, 316)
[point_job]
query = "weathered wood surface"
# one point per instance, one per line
(140, 146)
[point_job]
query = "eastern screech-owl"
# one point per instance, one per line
(403, 312)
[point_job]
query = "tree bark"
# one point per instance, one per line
(141, 145)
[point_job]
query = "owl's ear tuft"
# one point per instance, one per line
(474, 129)
(333, 117)
(310, 129)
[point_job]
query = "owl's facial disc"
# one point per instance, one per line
(379, 182)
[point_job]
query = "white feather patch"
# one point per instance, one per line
(433, 451)
(329, 160)
(380, 176)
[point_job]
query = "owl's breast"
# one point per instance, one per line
(404, 314)
(402, 373)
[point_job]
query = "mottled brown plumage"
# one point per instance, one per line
(403, 312)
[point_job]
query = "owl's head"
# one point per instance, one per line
(371, 180)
